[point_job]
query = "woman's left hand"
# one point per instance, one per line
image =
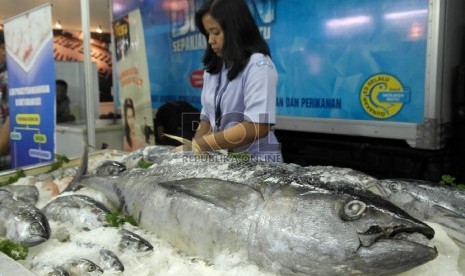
(178, 149)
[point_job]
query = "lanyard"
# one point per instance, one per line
(218, 96)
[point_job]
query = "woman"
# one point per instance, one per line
(240, 79)
(131, 141)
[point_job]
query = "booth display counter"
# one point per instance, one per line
(9, 267)
(70, 137)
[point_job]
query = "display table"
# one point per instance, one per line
(70, 138)
(9, 267)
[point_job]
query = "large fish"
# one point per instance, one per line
(28, 193)
(424, 200)
(107, 260)
(21, 221)
(110, 167)
(133, 241)
(81, 211)
(289, 227)
(123, 239)
(73, 266)
(429, 201)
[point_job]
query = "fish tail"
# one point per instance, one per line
(74, 184)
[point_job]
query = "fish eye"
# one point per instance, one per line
(21, 216)
(91, 268)
(353, 209)
(395, 187)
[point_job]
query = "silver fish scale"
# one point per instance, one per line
(81, 211)
(431, 202)
(283, 223)
(28, 193)
(21, 221)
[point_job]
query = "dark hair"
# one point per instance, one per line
(62, 82)
(241, 36)
(128, 104)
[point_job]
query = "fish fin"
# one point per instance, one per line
(225, 194)
(75, 182)
(447, 212)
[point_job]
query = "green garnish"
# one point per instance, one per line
(12, 179)
(60, 160)
(117, 219)
(145, 164)
(16, 251)
(450, 180)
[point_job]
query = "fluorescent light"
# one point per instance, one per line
(405, 14)
(348, 22)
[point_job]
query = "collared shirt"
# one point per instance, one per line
(251, 96)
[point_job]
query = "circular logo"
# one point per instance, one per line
(382, 96)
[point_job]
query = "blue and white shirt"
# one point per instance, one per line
(251, 96)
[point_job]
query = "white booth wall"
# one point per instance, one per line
(73, 74)
(70, 136)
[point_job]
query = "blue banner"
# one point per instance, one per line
(338, 59)
(31, 71)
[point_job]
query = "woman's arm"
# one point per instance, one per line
(203, 129)
(236, 136)
(5, 137)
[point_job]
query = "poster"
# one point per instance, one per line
(336, 59)
(134, 88)
(31, 72)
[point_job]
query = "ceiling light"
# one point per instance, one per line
(58, 25)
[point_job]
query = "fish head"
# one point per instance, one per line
(28, 193)
(82, 266)
(390, 239)
(131, 240)
(397, 191)
(21, 221)
(372, 215)
(430, 201)
(110, 167)
(32, 226)
(109, 261)
(339, 231)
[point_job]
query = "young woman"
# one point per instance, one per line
(131, 139)
(240, 79)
